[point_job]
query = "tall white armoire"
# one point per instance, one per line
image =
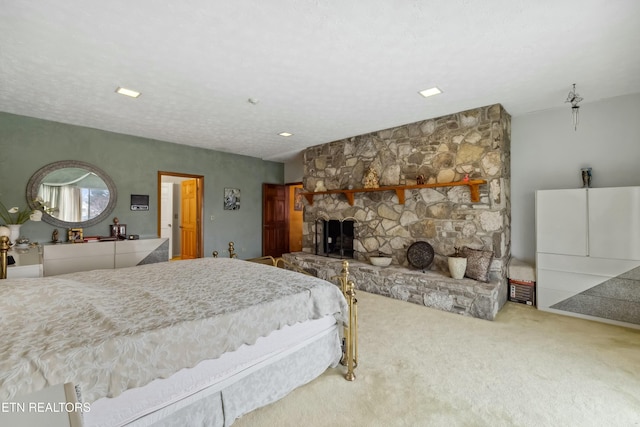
(588, 253)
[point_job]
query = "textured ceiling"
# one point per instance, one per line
(322, 70)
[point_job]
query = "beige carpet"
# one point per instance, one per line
(424, 367)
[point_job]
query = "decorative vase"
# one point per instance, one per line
(15, 232)
(457, 266)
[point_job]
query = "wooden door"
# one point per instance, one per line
(189, 223)
(275, 220)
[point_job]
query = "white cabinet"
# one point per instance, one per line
(137, 252)
(588, 253)
(561, 222)
(28, 263)
(614, 222)
(64, 258)
(73, 257)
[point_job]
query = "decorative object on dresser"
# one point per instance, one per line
(75, 235)
(117, 230)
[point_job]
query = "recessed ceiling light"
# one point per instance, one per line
(430, 92)
(285, 134)
(127, 92)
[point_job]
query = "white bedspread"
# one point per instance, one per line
(111, 330)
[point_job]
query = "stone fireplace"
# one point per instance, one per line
(473, 144)
(334, 238)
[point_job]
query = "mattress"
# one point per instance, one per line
(209, 376)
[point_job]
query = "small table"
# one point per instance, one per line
(28, 262)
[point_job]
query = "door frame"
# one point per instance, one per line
(199, 211)
(285, 190)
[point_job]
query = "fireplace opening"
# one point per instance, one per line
(334, 238)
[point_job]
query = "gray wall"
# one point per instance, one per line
(27, 144)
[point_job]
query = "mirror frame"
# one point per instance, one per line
(36, 180)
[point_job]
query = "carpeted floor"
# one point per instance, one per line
(424, 367)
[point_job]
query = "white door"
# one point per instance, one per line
(561, 222)
(614, 222)
(166, 215)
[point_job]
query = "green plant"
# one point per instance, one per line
(15, 215)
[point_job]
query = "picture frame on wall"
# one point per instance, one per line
(297, 199)
(231, 199)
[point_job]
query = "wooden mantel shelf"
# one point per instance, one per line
(474, 186)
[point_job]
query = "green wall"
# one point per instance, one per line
(27, 144)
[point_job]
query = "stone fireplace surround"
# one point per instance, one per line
(474, 143)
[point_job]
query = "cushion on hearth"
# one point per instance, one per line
(478, 263)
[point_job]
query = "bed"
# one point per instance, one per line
(197, 342)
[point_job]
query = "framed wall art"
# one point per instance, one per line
(231, 199)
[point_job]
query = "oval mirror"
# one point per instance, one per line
(77, 194)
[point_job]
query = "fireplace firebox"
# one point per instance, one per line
(334, 238)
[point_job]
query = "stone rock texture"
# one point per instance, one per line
(445, 149)
(431, 288)
(474, 142)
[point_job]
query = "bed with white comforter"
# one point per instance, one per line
(169, 342)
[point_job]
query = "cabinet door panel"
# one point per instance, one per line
(614, 222)
(561, 222)
(73, 257)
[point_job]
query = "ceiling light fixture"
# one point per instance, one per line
(285, 134)
(430, 92)
(574, 99)
(127, 92)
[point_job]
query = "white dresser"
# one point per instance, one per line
(64, 258)
(588, 253)
(28, 262)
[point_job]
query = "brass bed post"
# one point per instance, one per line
(350, 351)
(4, 248)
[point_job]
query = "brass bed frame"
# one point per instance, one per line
(350, 336)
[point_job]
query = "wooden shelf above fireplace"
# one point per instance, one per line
(474, 187)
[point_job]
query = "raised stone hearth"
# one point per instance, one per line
(431, 288)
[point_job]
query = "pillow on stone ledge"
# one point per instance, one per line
(478, 263)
